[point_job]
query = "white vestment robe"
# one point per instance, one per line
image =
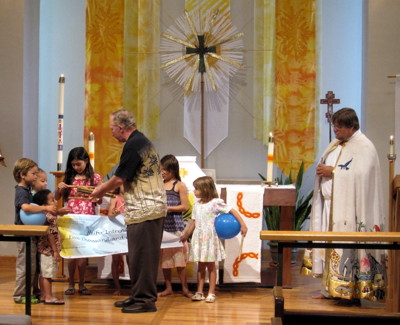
(354, 203)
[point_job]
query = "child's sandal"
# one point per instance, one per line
(198, 296)
(85, 291)
(210, 297)
(69, 292)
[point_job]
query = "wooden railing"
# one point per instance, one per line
(311, 239)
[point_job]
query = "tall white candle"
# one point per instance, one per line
(61, 82)
(91, 148)
(391, 145)
(270, 162)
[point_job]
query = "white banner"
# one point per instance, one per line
(216, 111)
(85, 235)
(243, 255)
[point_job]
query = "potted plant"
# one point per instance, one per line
(303, 204)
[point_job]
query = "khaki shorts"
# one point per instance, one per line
(48, 266)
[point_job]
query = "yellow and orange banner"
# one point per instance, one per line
(285, 83)
(122, 70)
(295, 84)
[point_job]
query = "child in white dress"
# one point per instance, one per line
(206, 248)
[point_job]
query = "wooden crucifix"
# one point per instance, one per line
(202, 50)
(329, 100)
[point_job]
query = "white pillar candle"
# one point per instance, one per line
(61, 82)
(270, 161)
(91, 148)
(391, 145)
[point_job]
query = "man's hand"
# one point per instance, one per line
(97, 193)
(108, 186)
(324, 170)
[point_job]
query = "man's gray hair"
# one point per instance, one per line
(124, 118)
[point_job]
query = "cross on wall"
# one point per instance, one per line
(329, 100)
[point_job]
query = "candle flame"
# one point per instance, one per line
(271, 137)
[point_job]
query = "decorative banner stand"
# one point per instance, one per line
(212, 46)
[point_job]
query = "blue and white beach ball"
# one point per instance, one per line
(226, 226)
(33, 219)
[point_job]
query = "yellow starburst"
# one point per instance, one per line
(201, 46)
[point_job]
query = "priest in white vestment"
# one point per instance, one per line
(348, 197)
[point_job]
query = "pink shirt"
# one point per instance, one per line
(78, 206)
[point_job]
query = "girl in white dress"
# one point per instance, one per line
(206, 248)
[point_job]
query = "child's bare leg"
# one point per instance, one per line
(201, 275)
(168, 283)
(212, 273)
(46, 283)
(82, 263)
(36, 284)
(71, 272)
(41, 285)
(182, 277)
(48, 294)
(115, 274)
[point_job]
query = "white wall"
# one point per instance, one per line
(340, 53)
(62, 51)
(341, 57)
(18, 108)
(382, 60)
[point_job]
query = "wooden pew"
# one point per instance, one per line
(309, 239)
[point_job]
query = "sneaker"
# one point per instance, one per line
(22, 300)
(210, 297)
(198, 296)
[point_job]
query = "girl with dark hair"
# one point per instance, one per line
(78, 173)
(177, 203)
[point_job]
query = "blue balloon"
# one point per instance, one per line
(226, 226)
(33, 219)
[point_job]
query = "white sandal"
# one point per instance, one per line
(210, 297)
(198, 296)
